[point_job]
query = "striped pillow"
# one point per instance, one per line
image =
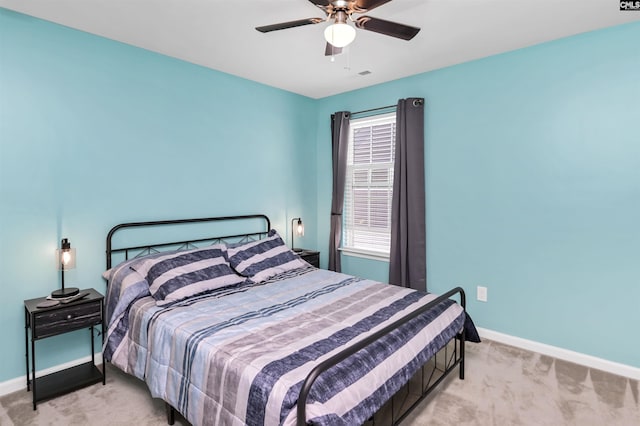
(182, 274)
(263, 259)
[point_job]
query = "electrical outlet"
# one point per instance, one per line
(482, 294)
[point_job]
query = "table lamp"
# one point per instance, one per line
(66, 259)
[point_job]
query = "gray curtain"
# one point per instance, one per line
(408, 256)
(339, 141)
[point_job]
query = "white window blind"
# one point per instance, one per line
(369, 185)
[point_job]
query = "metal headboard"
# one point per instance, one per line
(151, 247)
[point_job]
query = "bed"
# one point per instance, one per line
(237, 329)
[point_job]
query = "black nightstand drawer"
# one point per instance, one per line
(313, 259)
(310, 256)
(62, 320)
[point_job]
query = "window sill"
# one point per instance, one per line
(365, 254)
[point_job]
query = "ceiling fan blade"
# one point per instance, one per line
(290, 24)
(389, 28)
(321, 3)
(331, 50)
(367, 5)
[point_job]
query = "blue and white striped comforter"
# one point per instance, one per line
(239, 355)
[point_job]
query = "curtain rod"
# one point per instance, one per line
(373, 109)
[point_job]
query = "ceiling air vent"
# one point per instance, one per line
(364, 72)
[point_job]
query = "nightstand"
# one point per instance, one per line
(310, 256)
(62, 318)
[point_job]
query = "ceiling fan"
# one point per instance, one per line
(340, 33)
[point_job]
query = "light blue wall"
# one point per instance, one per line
(533, 188)
(95, 133)
(533, 173)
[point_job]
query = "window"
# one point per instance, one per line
(369, 186)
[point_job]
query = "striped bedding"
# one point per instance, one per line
(238, 355)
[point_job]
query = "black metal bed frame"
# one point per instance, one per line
(435, 376)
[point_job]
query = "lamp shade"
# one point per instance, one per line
(66, 256)
(300, 228)
(297, 228)
(339, 34)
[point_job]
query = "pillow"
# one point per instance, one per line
(178, 275)
(264, 258)
(124, 286)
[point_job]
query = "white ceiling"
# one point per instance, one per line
(220, 34)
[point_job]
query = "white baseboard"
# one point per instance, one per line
(20, 383)
(563, 354)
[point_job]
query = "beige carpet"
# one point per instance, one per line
(503, 386)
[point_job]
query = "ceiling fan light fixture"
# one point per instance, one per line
(339, 34)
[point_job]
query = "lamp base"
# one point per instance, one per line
(64, 292)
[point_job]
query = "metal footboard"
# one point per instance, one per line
(456, 359)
